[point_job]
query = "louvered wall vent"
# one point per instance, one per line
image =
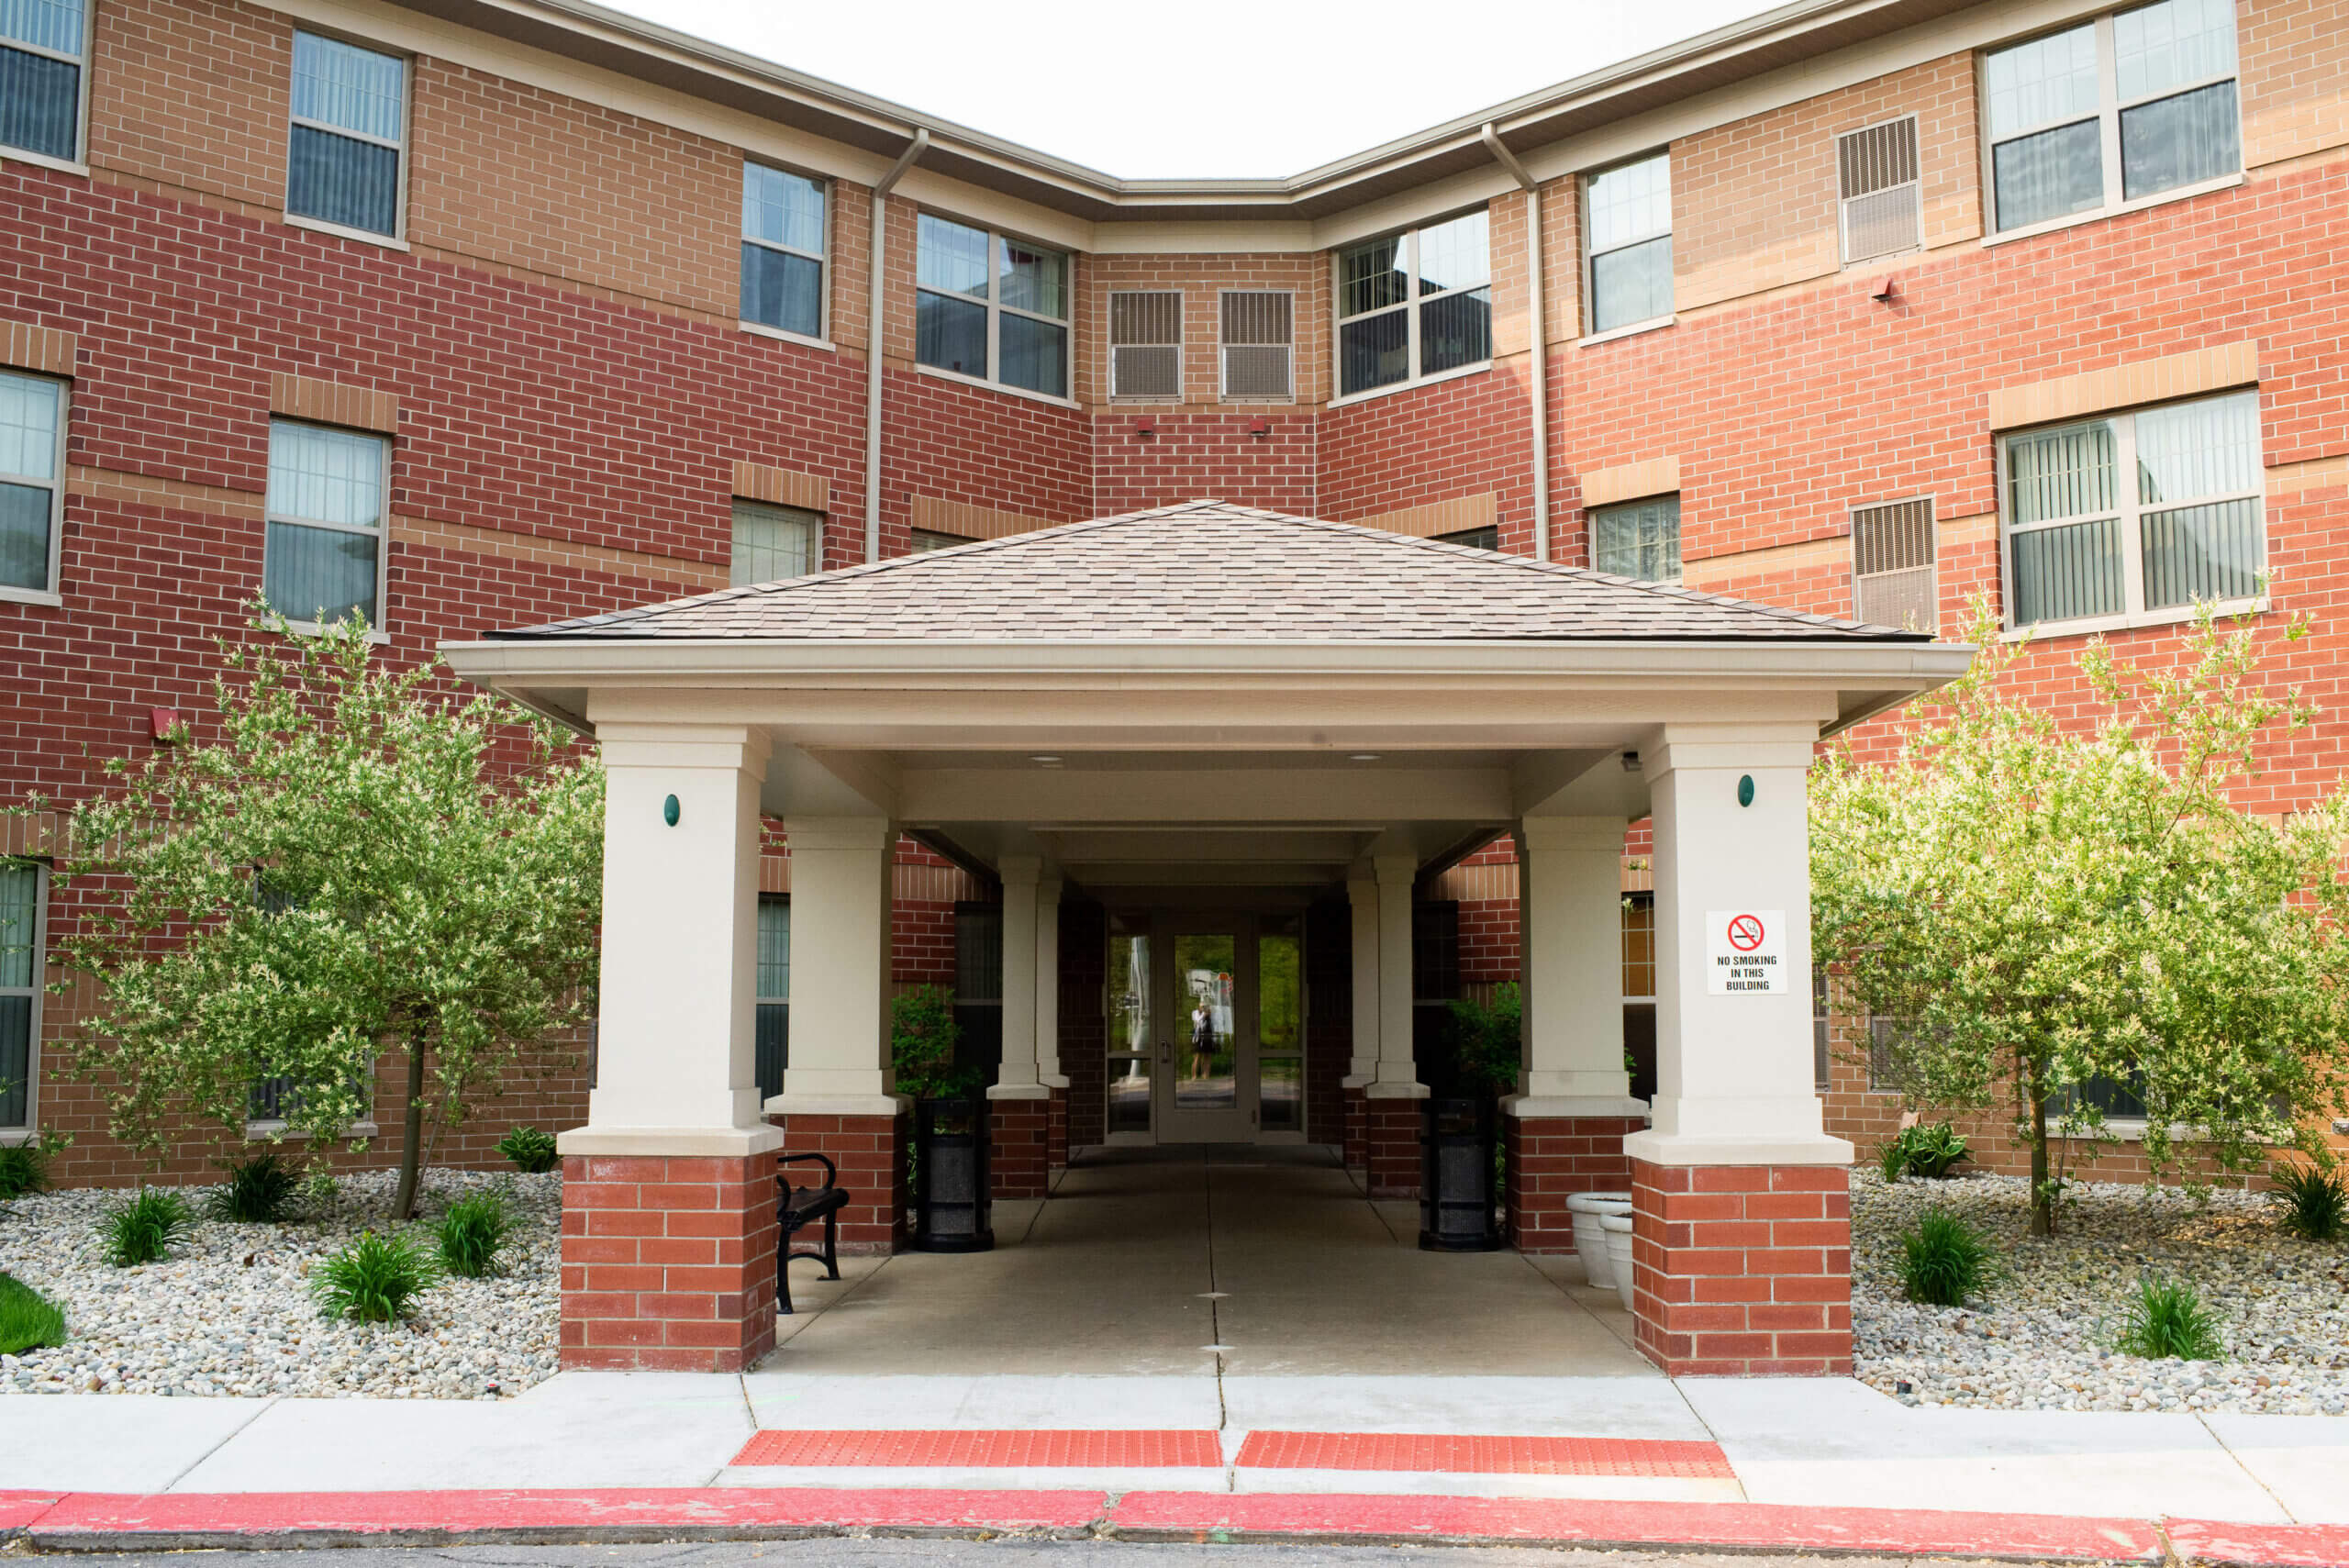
(1146, 345)
(1892, 565)
(1875, 173)
(1258, 346)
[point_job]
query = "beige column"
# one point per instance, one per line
(1398, 1075)
(839, 969)
(1016, 1078)
(1571, 935)
(1048, 984)
(677, 1068)
(1362, 896)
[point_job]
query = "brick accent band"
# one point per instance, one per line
(26, 347)
(1742, 1271)
(1551, 1159)
(668, 1262)
(871, 1153)
(783, 486)
(332, 403)
(1393, 1128)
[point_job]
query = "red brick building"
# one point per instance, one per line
(474, 316)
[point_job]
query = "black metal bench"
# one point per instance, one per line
(800, 1207)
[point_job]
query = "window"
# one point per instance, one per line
(1257, 350)
(1629, 219)
(2083, 543)
(1892, 565)
(1487, 538)
(21, 887)
(773, 542)
(1822, 1018)
(323, 558)
(1638, 538)
(2114, 110)
(783, 251)
(978, 987)
(350, 126)
(991, 307)
(774, 988)
(44, 47)
(928, 540)
(1146, 345)
(1415, 305)
(32, 491)
(1875, 179)
(1638, 947)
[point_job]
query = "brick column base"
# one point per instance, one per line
(1393, 1130)
(668, 1262)
(871, 1153)
(1056, 1132)
(1357, 1131)
(1552, 1157)
(1019, 1135)
(1742, 1271)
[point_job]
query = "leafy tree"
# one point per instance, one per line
(2042, 909)
(923, 1036)
(364, 860)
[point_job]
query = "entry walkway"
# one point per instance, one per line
(1217, 1261)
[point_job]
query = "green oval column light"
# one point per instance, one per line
(1744, 791)
(669, 811)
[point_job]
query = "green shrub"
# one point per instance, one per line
(2316, 1202)
(2168, 1320)
(143, 1228)
(374, 1278)
(258, 1191)
(1929, 1152)
(922, 1035)
(472, 1233)
(1943, 1261)
(23, 1169)
(531, 1150)
(1487, 1040)
(29, 1320)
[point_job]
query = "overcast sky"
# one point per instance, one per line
(1157, 88)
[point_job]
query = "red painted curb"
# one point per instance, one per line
(18, 1509)
(2267, 1546)
(1025, 1448)
(1463, 1454)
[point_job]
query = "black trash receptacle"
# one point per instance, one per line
(950, 1186)
(1458, 1203)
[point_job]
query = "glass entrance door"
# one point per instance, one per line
(1207, 1029)
(1207, 1083)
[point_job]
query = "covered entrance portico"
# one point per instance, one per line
(1187, 729)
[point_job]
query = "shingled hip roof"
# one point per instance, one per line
(1210, 571)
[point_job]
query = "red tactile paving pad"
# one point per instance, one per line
(1043, 1450)
(1463, 1454)
(2287, 1546)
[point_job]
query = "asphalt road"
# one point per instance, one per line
(1001, 1553)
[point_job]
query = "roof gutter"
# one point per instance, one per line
(1540, 347)
(873, 338)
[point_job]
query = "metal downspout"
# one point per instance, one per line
(873, 338)
(1533, 190)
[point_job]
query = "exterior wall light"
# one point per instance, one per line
(669, 811)
(1745, 789)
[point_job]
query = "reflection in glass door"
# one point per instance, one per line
(1280, 1026)
(1132, 1041)
(1207, 1029)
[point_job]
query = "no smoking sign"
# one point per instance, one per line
(1745, 952)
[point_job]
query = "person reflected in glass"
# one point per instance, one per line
(1202, 1040)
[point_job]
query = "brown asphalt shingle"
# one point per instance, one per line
(1208, 572)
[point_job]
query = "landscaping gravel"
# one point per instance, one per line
(2043, 1338)
(228, 1310)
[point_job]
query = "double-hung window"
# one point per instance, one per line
(1627, 213)
(783, 251)
(32, 488)
(2134, 514)
(1415, 305)
(1638, 538)
(349, 136)
(774, 542)
(44, 67)
(22, 884)
(323, 558)
(991, 307)
(2115, 110)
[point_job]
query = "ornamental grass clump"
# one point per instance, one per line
(23, 1169)
(29, 1320)
(2169, 1321)
(374, 1278)
(474, 1232)
(531, 1150)
(258, 1191)
(1943, 1261)
(143, 1228)
(2316, 1202)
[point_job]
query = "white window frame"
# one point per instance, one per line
(1411, 303)
(31, 1128)
(823, 260)
(80, 163)
(379, 623)
(807, 517)
(397, 238)
(54, 594)
(1181, 344)
(2131, 512)
(1222, 385)
(1843, 203)
(1680, 530)
(2108, 111)
(996, 309)
(1592, 331)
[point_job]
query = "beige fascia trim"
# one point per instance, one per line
(1630, 481)
(2220, 368)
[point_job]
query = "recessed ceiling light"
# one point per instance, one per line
(1046, 760)
(1364, 756)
